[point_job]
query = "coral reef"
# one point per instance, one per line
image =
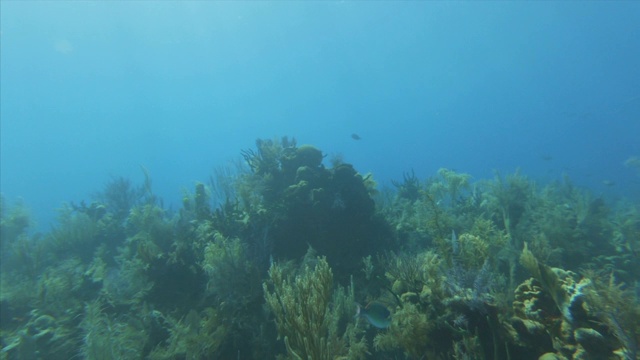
(504, 268)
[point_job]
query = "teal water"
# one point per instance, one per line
(220, 180)
(95, 89)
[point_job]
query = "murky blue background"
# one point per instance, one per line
(91, 90)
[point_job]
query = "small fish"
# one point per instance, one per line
(355, 136)
(376, 314)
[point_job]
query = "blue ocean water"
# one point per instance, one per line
(95, 90)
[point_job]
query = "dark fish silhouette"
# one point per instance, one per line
(376, 313)
(355, 136)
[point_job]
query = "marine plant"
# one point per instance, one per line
(128, 283)
(441, 204)
(616, 305)
(553, 282)
(266, 158)
(420, 223)
(410, 331)
(440, 305)
(232, 277)
(409, 188)
(150, 233)
(449, 186)
(61, 288)
(307, 318)
(119, 195)
(406, 272)
(196, 336)
(14, 222)
(598, 318)
(507, 200)
(109, 337)
(223, 182)
(233, 280)
(39, 315)
(573, 223)
(20, 253)
(624, 242)
(42, 334)
(76, 234)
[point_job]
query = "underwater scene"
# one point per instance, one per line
(320, 180)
